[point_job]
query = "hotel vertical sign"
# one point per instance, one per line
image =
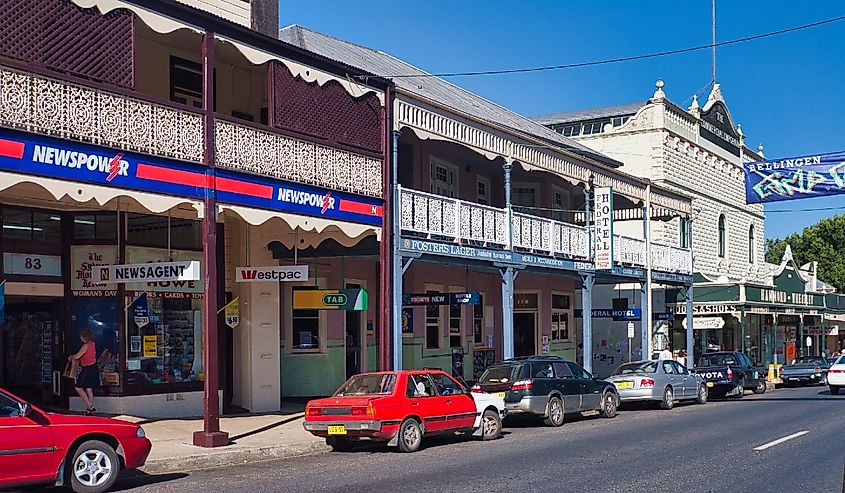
(603, 228)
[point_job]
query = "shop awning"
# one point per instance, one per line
(155, 20)
(83, 192)
(345, 233)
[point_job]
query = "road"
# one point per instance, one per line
(691, 448)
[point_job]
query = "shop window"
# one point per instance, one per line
(432, 325)
(28, 225)
(99, 227)
(306, 329)
(100, 314)
(456, 324)
(168, 349)
(560, 317)
(478, 321)
(164, 232)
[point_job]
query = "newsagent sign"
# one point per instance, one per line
(149, 272)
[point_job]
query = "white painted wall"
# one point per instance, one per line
(173, 405)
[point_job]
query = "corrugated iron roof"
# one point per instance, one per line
(425, 85)
(590, 114)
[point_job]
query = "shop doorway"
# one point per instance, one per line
(524, 334)
(353, 338)
(32, 345)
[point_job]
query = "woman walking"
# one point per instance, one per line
(89, 375)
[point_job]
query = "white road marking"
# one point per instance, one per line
(781, 440)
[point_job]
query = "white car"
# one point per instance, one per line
(836, 376)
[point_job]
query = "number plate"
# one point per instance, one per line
(499, 394)
(337, 430)
(624, 385)
(709, 384)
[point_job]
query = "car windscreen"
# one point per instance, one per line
(640, 367)
(368, 384)
(808, 360)
(717, 359)
(504, 373)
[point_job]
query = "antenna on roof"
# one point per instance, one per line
(713, 36)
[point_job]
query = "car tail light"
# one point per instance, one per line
(836, 371)
(646, 383)
(730, 374)
(363, 411)
(313, 411)
(818, 370)
(523, 385)
(476, 389)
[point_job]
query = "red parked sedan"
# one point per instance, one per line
(84, 452)
(400, 408)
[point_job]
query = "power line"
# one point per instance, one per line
(679, 51)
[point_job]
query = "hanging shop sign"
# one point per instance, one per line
(149, 272)
(273, 273)
(83, 260)
(470, 298)
(141, 311)
(330, 299)
(232, 313)
(32, 265)
(186, 287)
(705, 323)
(603, 228)
(64, 160)
(407, 321)
(778, 297)
(616, 315)
(827, 330)
(795, 178)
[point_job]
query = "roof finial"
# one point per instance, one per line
(694, 108)
(739, 131)
(659, 94)
(760, 150)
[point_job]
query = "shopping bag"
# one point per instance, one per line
(72, 369)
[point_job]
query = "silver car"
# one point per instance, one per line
(664, 381)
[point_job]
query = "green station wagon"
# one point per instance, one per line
(548, 386)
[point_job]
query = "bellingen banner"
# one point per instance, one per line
(795, 178)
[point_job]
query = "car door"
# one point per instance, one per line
(543, 376)
(569, 386)
(426, 402)
(26, 444)
(751, 373)
(590, 391)
(687, 382)
(673, 378)
(461, 407)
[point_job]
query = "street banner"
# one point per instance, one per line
(140, 311)
(604, 228)
(273, 273)
(232, 313)
(149, 272)
(795, 178)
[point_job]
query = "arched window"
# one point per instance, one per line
(722, 236)
(752, 258)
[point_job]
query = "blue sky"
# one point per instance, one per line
(786, 91)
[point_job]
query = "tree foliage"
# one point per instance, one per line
(823, 242)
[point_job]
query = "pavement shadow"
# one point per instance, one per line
(135, 479)
(264, 428)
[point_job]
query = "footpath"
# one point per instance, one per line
(253, 438)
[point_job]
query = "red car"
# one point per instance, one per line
(84, 452)
(400, 408)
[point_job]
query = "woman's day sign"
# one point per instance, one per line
(795, 178)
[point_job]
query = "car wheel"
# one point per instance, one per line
(94, 467)
(668, 401)
(608, 408)
(834, 390)
(410, 435)
(339, 444)
(761, 387)
(702, 395)
(555, 417)
(491, 425)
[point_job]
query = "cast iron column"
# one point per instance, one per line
(587, 282)
(210, 436)
(397, 257)
(385, 252)
(507, 273)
